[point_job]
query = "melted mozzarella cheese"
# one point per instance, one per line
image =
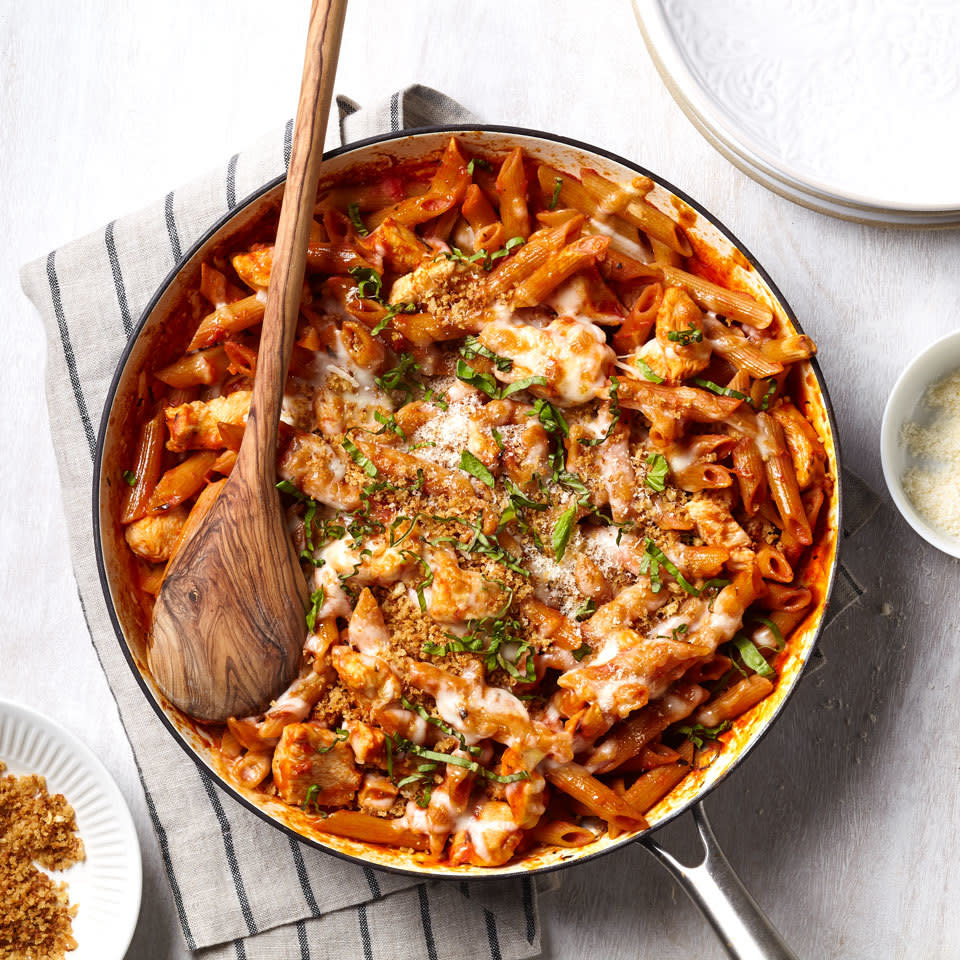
(572, 356)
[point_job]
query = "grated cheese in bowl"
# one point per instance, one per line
(932, 483)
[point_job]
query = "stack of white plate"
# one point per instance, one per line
(850, 107)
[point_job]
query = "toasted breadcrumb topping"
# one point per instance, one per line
(36, 828)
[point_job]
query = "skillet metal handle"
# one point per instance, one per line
(713, 886)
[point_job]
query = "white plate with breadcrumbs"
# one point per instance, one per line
(106, 886)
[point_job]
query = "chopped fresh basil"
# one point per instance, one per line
(522, 384)
(557, 186)
(446, 728)
(676, 633)
(489, 637)
(715, 585)
(562, 530)
(477, 162)
(698, 734)
(401, 377)
(481, 544)
(473, 348)
(582, 651)
(774, 629)
(571, 480)
(657, 471)
(425, 582)
(311, 797)
(341, 734)
(316, 603)
(648, 374)
(514, 511)
(308, 516)
(482, 381)
(752, 657)
(476, 468)
(353, 212)
(285, 486)
(520, 499)
(130, 477)
(497, 439)
(359, 457)
(388, 424)
(651, 562)
(394, 539)
(488, 259)
(369, 282)
(552, 419)
(614, 413)
(392, 311)
(586, 610)
(413, 778)
(407, 746)
(720, 391)
(487, 383)
(507, 248)
(768, 396)
(685, 337)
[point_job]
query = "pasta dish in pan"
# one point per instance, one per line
(550, 478)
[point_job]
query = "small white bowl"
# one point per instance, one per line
(939, 359)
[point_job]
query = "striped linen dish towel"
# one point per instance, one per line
(241, 888)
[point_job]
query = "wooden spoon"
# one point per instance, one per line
(228, 624)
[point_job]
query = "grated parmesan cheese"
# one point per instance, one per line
(933, 483)
(447, 434)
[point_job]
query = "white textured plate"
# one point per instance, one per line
(851, 107)
(106, 886)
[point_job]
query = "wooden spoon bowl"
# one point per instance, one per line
(228, 624)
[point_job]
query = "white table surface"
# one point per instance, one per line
(844, 821)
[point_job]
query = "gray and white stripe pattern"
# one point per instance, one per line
(241, 888)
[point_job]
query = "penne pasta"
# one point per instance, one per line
(147, 466)
(512, 187)
(711, 296)
(573, 257)
(730, 704)
(598, 798)
(773, 564)
(560, 833)
(651, 787)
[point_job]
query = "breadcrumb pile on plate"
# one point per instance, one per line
(35, 828)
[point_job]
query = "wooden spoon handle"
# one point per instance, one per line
(257, 458)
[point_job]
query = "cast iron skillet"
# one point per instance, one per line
(712, 884)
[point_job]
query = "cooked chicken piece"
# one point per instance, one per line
(309, 755)
(377, 793)
(370, 679)
(680, 349)
(572, 356)
(451, 294)
(715, 524)
(456, 595)
(193, 426)
(154, 538)
(319, 469)
(489, 838)
(368, 744)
